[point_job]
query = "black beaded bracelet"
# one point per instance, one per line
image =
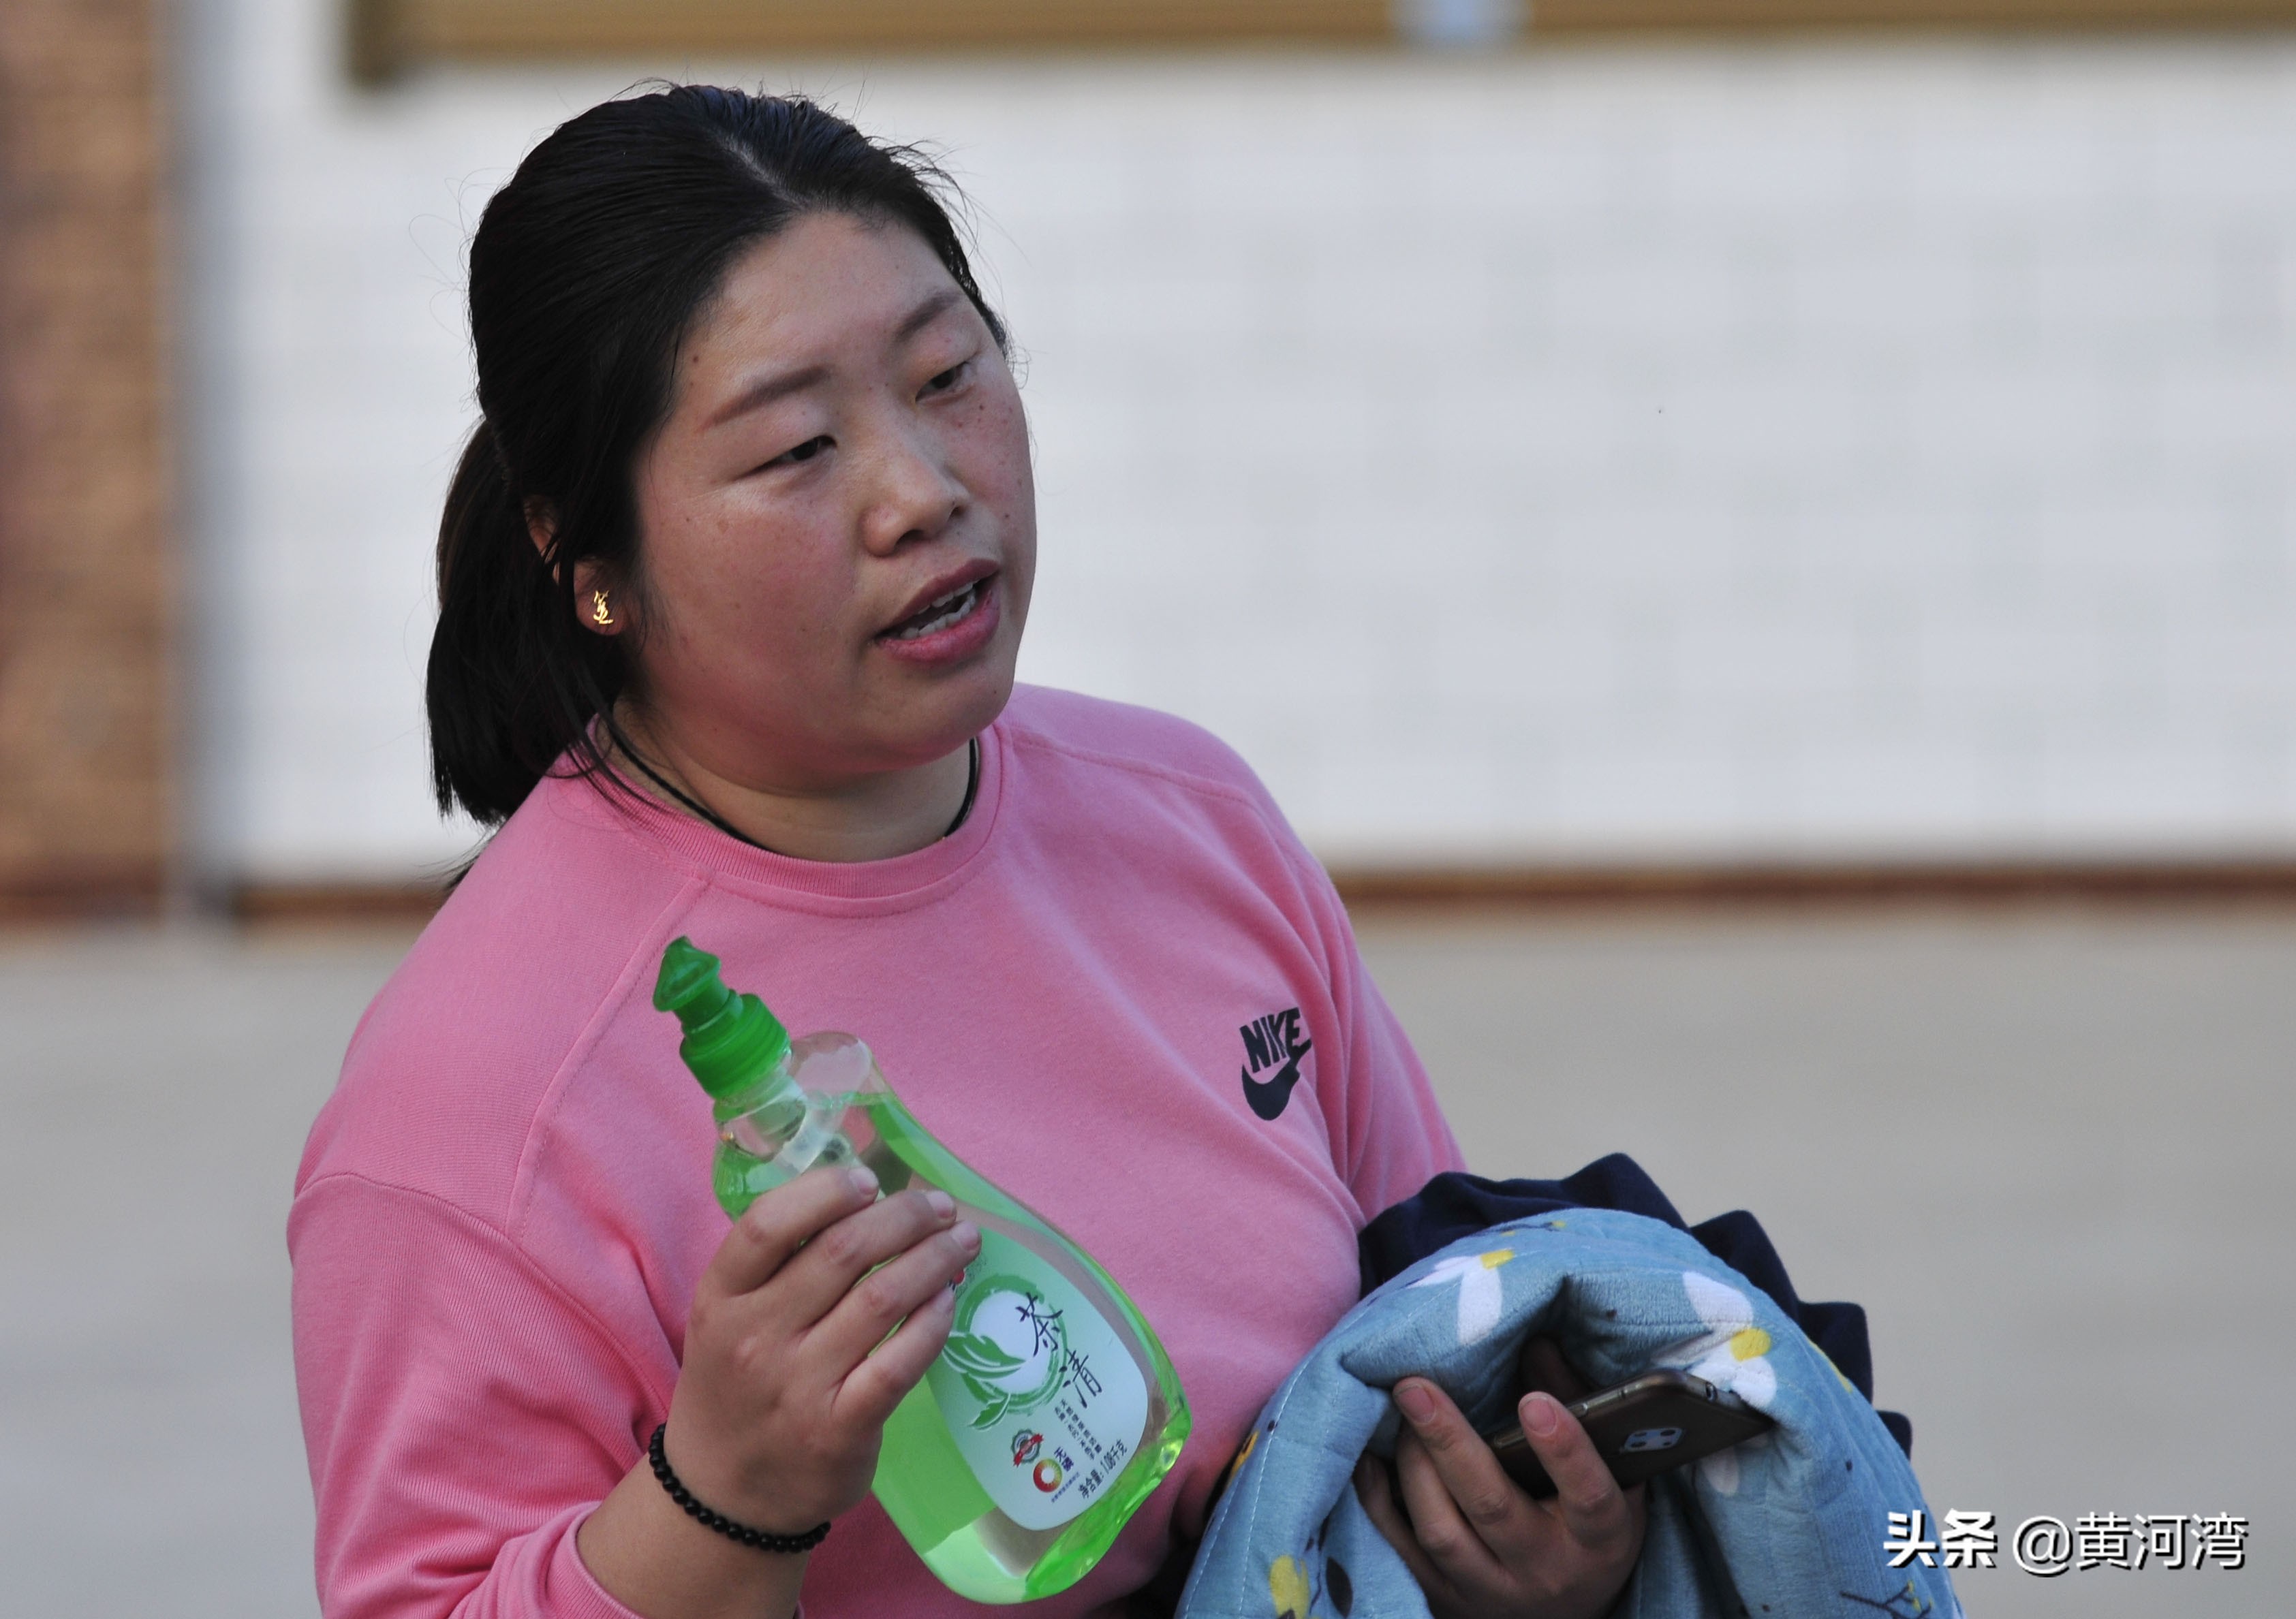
(764, 1539)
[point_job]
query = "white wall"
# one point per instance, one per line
(1591, 453)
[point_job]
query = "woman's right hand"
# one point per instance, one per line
(789, 1375)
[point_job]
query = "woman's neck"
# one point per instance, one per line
(872, 817)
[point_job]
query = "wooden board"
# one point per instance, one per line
(387, 36)
(87, 671)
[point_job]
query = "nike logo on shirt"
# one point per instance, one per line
(1272, 1042)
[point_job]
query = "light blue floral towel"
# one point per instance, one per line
(1799, 1515)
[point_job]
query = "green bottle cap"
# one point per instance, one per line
(730, 1039)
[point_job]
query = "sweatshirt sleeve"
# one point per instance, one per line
(462, 1413)
(1389, 1135)
(1396, 1138)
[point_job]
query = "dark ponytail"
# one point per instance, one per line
(585, 272)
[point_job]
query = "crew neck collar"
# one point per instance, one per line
(688, 841)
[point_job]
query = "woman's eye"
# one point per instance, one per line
(805, 451)
(943, 381)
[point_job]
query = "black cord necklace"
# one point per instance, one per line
(971, 791)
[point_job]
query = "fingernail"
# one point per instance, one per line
(863, 1179)
(940, 1202)
(1541, 1415)
(1417, 1403)
(967, 1235)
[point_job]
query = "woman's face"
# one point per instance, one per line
(837, 522)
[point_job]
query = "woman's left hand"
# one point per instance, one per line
(1478, 1545)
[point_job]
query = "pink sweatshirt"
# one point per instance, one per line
(504, 1207)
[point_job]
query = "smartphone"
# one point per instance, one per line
(1642, 1427)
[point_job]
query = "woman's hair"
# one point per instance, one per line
(586, 273)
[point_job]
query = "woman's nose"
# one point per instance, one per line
(914, 493)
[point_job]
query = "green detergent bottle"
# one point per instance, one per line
(1053, 1411)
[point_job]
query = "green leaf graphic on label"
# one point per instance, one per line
(1023, 1335)
(994, 1402)
(971, 1352)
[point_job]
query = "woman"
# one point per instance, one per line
(732, 580)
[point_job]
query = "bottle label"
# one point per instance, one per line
(1037, 1391)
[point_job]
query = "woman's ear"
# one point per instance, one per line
(541, 525)
(596, 601)
(596, 607)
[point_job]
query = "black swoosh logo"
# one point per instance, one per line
(1268, 1097)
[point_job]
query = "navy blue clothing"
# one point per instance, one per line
(1456, 1205)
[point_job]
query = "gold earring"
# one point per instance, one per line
(601, 614)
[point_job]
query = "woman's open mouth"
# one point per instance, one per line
(950, 627)
(941, 613)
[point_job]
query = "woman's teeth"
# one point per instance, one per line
(940, 614)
